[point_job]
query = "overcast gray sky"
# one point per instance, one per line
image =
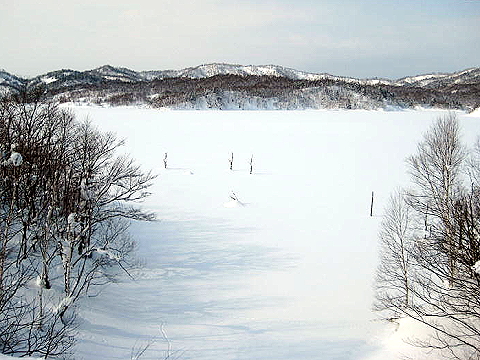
(363, 38)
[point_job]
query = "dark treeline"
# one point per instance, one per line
(287, 93)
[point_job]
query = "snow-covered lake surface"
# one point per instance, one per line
(287, 271)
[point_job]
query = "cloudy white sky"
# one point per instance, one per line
(362, 38)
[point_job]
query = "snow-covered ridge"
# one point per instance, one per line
(208, 70)
(7, 79)
(114, 73)
(467, 76)
(111, 73)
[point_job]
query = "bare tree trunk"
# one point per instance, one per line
(5, 240)
(67, 252)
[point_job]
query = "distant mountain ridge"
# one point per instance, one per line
(468, 76)
(459, 85)
(111, 73)
(108, 72)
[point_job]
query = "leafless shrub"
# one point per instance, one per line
(65, 198)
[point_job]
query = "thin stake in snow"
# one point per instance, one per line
(251, 164)
(371, 206)
(165, 160)
(231, 162)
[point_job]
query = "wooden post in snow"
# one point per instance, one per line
(165, 161)
(371, 206)
(231, 162)
(251, 164)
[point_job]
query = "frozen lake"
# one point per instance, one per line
(287, 271)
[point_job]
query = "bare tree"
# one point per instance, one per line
(430, 253)
(436, 172)
(396, 263)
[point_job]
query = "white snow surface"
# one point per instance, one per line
(49, 79)
(16, 159)
(6, 357)
(475, 113)
(476, 267)
(287, 275)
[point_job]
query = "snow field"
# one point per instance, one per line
(284, 272)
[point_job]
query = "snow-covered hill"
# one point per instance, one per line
(8, 82)
(63, 79)
(108, 72)
(469, 76)
(247, 84)
(208, 70)
(111, 73)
